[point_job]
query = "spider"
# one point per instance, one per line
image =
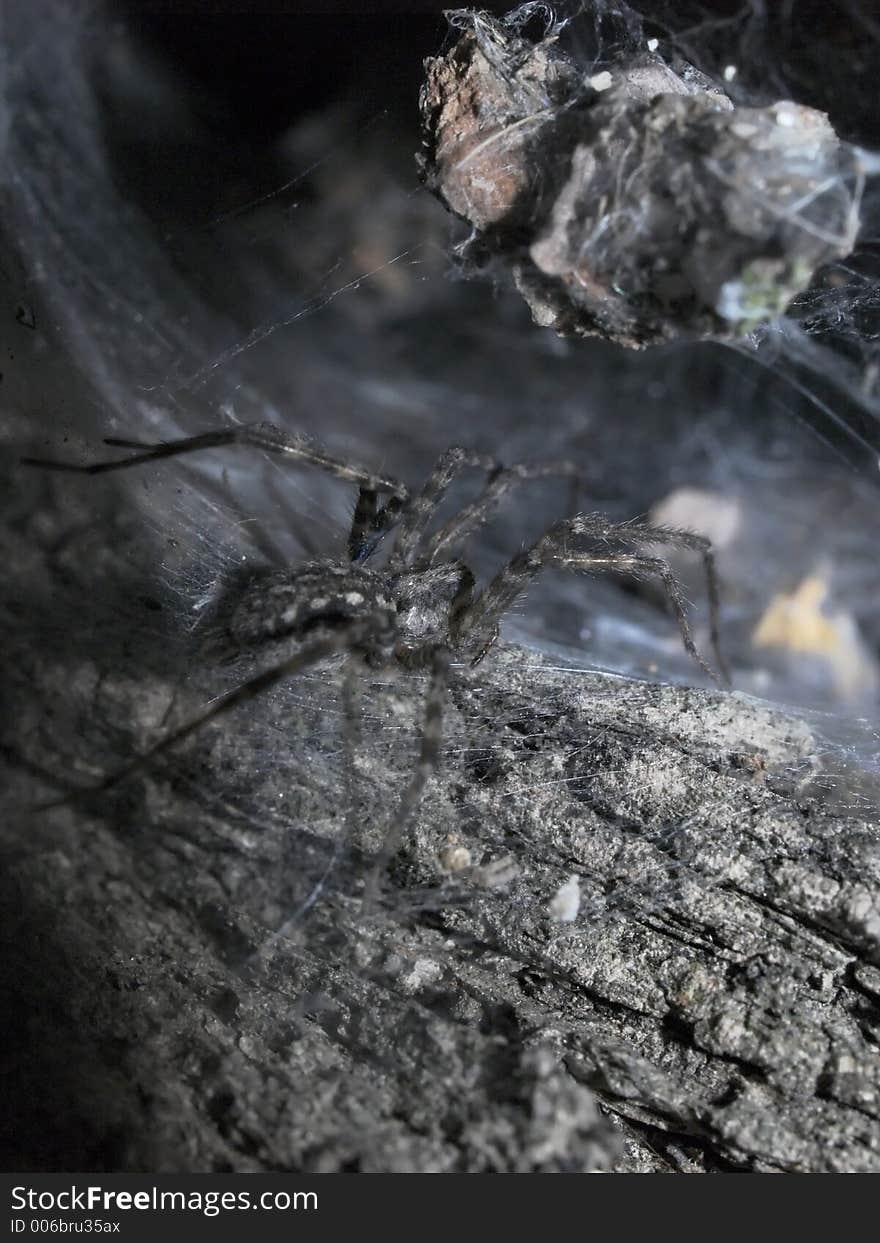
(421, 607)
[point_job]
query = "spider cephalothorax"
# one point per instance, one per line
(421, 607)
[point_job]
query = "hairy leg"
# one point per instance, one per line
(478, 624)
(257, 436)
(472, 516)
(369, 523)
(643, 566)
(363, 524)
(418, 511)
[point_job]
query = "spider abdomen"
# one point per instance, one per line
(293, 603)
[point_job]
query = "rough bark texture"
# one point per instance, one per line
(712, 1006)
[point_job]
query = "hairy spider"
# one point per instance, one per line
(421, 607)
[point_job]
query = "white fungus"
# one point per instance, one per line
(566, 902)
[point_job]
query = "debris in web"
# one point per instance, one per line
(631, 199)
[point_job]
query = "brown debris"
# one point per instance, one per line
(637, 204)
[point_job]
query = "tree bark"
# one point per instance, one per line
(193, 984)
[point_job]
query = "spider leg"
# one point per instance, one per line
(677, 538)
(420, 508)
(369, 523)
(427, 763)
(637, 564)
(309, 654)
(478, 624)
(474, 514)
(256, 436)
(362, 524)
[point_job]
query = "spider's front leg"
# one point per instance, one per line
(370, 523)
(410, 514)
(420, 508)
(500, 482)
(478, 624)
(265, 436)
